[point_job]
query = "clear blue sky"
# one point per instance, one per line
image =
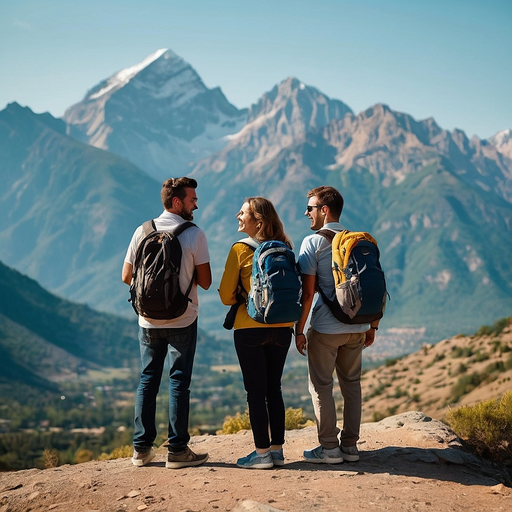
(447, 59)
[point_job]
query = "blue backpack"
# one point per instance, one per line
(276, 288)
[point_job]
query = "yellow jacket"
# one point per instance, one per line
(239, 265)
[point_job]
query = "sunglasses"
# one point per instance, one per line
(310, 207)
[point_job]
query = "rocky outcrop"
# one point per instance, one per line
(408, 462)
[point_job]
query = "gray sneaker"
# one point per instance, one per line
(277, 457)
(350, 453)
(324, 455)
(256, 461)
(186, 459)
(143, 457)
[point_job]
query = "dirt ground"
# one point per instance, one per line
(408, 463)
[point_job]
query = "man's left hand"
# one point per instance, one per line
(370, 337)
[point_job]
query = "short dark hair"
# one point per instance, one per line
(175, 187)
(329, 197)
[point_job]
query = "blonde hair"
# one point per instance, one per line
(269, 224)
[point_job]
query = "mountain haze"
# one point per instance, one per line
(68, 210)
(439, 204)
(44, 338)
(425, 193)
(158, 114)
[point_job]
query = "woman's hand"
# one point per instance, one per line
(301, 343)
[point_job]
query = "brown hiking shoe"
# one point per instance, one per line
(186, 459)
(143, 457)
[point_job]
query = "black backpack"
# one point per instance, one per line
(155, 289)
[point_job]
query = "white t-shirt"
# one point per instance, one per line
(195, 252)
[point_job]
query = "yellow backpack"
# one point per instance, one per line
(359, 280)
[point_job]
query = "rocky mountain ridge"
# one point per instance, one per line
(158, 114)
(426, 194)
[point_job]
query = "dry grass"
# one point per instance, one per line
(463, 370)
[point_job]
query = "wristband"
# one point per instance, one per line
(374, 328)
(299, 334)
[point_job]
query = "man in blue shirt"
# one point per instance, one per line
(330, 344)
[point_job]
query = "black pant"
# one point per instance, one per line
(262, 354)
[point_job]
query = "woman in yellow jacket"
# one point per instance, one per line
(261, 348)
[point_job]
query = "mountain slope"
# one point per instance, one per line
(44, 338)
(68, 210)
(158, 114)
(462, 370)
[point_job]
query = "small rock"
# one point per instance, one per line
(254, 506)
(500, 489)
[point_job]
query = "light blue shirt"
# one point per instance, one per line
(315, 258)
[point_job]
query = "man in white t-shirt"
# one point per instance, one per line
(176, 337)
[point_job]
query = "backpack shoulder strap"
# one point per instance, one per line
(250, 242)
(328, 234)
(181, 227)
(148, 227)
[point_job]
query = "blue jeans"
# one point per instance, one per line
(155, 344)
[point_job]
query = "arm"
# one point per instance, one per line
(308, 293)
(204, 275)
(126, 273)
(228, 286)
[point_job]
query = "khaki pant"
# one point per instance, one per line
(340, 352)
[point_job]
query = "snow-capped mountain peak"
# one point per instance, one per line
(125, 75)
(157, 113)
(503, 142)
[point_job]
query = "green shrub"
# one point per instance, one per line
(399, 393)
(462, 368)
(481, 356)
(486, 427)
(465, 385)
(377, 391)
(491, 371)
(294, 419)
(118, 453)
(461, 352)
(233, 424)
(377, 416)
(496, 328)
